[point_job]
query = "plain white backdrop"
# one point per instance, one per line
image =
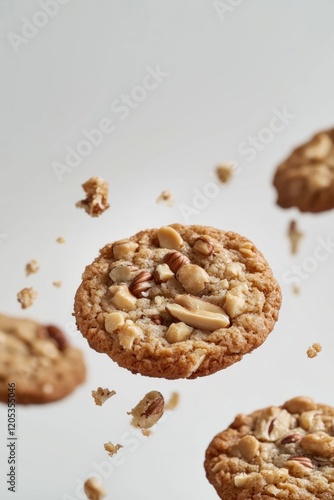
(226, 70)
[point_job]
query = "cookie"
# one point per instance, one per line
(39, 360)
(177, 302)
(306, 178)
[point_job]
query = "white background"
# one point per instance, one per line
(226, 75)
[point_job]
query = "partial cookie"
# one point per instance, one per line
(284, 452)
(177, 302)
(306, 178)
(39, 360)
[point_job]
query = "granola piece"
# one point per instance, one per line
(32, 267)
(101, 395)
(111, 448)
(26, 297)
(93, 489)
(314, 350)
(57, 284)
(148, 411)
(165, 197)
(96, 201)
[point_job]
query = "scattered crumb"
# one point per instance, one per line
(26, 297)
(112, 449)
(173, 401)
(57, 284)
(32, 267)
(96, 201)
(93, 489)
(166, 196)
(224, 173)
(146, 432)
(314, 350)
(295, 237)
(101, 395)
(296, 289)
(60, 240)
(148, 411)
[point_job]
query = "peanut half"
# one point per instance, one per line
(204, 320)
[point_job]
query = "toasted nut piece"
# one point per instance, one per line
(234, 305)
(274, 424)
(140, 285)
(113, 321)
(122, 298)
(96, 201)
(32, 267)
(249, 447)
(198, 356)
(299, 404)
(195, 303)
(100, 396)
(58, 336)
(175, 260)
(318, 444)
(129, 333)
(203, 245)
(246, 248)
(305, 461)
(162, 274)
(319, 148)
(111, 448)
(193, 278)
(311, 421)
(93, 489)
(233, 270)
(148, 411)
(314, 350)
(240, 480)
(225, 172)
(205, 320)
(292, 438)
(169, 238)
(26, 297)
(123, 272)
(178, 332)
(123, 248)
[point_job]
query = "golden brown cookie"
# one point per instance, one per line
(306, 178)
(284, 452)
(177, 302)
(39, 360)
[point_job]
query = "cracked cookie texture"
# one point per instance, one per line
(39, 360)
(284, 452)
(178, 301)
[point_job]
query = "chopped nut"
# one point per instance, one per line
(165, 196)
(162, 274)
(198, 356)
(96, 201)
(32, 267)
(299, 404)
(295, 236)
(193, 278)
(234, 305)
(148, 411)
(60, 240)
(111, 448)
(58, 336)
(311, 421)
(274, 425)
(225, 172)
(314, 350)
(124, 248)
(240, 480)
(204, 246)
(122, 298)
(93, 489)
(26, 297)
(233, 270)
(318, 444)
(246, 248)
(292, 438)
(175, 260)
(113, 321)
(141, 284)
(102, 395)
(178, 332)
(57, 284)
(205, 320)
(305, 461)
(249, 447)
(129, 333)
(195, 303)
(123, 272)
(173, 401)
(169, 238)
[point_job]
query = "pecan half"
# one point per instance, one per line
(175, 260)
(141, 284)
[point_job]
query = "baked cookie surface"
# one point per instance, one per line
(284, 452)
(38, 360)
(177, 302)
(306, 178)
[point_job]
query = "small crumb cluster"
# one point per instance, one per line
(60, 240)
(102, 395)
(313, 351)
(165, 197)
(225, 172)
(32, 267)
(111, 448)
(96, 201)
(26, 297)
(148, 411)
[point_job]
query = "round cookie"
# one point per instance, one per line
(306, 178)
(177, 302)
(39, 360)
(284, 452)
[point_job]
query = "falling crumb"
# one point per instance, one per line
(101, 395)
(173, 401)
(295, 289)
(32, 267)
(60, 240)
(148, 411)
(146, 432)
(57, 284)
(26, 297)
(314, 350)
(111, 448)
(96, 201)
(295, 237)
(165, 197)
(93, 489)
(224, 173)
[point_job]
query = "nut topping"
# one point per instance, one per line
(169, 238)
(175, 260)
(113, 321)
(141, 284)
(193, 278)
(162, 274)
(203, 246)
(234, 304)
(178, 332)
(292, 438)
(204, 320)
(157, 319)
(195, 303)
(129, 333)
(148, 411)
(318, 444)
(123, 272)
(299, 404)
(122, 298)
(123, 248)
(248, 447)
(305, 461)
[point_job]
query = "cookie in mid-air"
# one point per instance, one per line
(306, 178)
(39, 360)
(284, 452)
(177, 302)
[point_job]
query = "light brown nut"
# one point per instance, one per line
(124, 248)
(123, 272)
(122, 298)
(248, 447)
(175, 260)
(234, 305)
(169, 238)
(204, 320)
(319, 147)
(141, 284)
(291, 438)
(273, 425)
(32, 267)
(96, 201)
(314, 350)
(318, 444)
(111, 448)
(224, 172)
(26, 297)
(129, 333)
(299, 404)
(311, 421)
(240, 480)
(193, 278)
(204, 245)
(57, 284)
(113, 321)
(246, 248)
(195, 303)
(101, 395)
(233, 270)
(178, 332)
(198, 356)
(305, 461)
(93, 489)
(57, 336)
(162, 274)
(148, 411)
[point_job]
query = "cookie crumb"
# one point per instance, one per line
(57, 284)
(296, 289)
(148, 411)
(146, 432)
(314, 350)
(173, 401)
(165, 197)
(60, 240)
(26, 297)
(101, 395)
(225, 172)
(295, 237)
(32, 267)
(111, 448)
(96, 201)
(93, 489)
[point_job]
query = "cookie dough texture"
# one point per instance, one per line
(177, 302)
(283, 452)
(39, 360)
(306, 178)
